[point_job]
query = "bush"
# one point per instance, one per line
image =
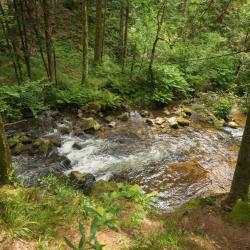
(219, 104)
(169, 83)
(34, 97)
(16, 100)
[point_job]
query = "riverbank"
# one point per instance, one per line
(36, 218)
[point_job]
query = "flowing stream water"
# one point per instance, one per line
(181, 165)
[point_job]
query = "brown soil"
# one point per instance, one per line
(209, 230)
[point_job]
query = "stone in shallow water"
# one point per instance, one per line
(187, 111)
(233, 125)
(173, 122)
(76, 146)
(108, 118)
(144, 113)
(159, 121)
(124, 116)
(90, 124)
(183, 121)
(112, 124)
(150, 122)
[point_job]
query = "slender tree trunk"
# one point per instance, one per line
(26, 42)
(18, 6)
(12, 46)
(125, 44)
(34, 24)
(99, 32)
(5, 157)
(49, 43)
(122, 30)
(10, 50)
(241, 180)
(160, 19)
(104, 26)
(85, 45)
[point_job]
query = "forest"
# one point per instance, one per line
(124, 124)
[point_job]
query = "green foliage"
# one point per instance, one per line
(169, 83)
(240, 214)
(16, 100)
(34, 97)
(219, 104)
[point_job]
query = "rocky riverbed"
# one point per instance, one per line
(181, 152)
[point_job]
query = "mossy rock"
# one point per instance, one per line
(233, 125)
(124, 116)
(104, 187)
(85, 182)
(108, 118)
(183, 121)
(25, 139)
(187, 111)
(240, 214)
(18, 149)
(13, 141)
(90, 124)
(37, 143)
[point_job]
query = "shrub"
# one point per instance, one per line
(169, 83)
(219, 104)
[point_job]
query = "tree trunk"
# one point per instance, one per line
(18, 6)
(125, 44)
(160, 19)
(13, 46)
(38, 36)
(241, 180)
(5, 157)
(99, 32)
(49, 43)
(122, 30)
(85, 45)
(10, 50)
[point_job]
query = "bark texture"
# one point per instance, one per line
(5, 157)
(241, 180)
(85, 45)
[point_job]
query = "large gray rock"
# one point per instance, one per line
(85, 182)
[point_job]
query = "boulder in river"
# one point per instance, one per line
(108, 118)
(124, 116)
(187, 111)
(76, 146)
(89, 124)
(183, 121)
(83, 181)
(173, 122)
(233, 125)
(150, 122)
(25, 139)
(144, 113)
(112, 124)
(159, 121)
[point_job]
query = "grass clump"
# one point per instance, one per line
(240, 214)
